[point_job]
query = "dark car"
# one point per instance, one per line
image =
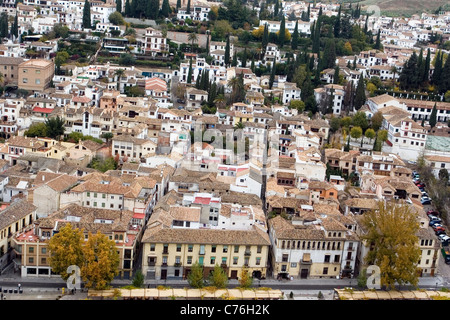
(432, 213)
(433, 222)
(439, 232)
(181, 101)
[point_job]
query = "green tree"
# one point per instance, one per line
(336, 75)
(119, 6)
(101, 261)
(38, 129)
(87, 15)
(392, 235)
(370, 134)
(272, 75)
(329, 54)
(433, 116)
(116, 18)
(15, 27)
(376, 121)
(218, 277)
(356, 132)
(74, 137)
(107, 136)
(297, 104)
(138, 280)
(66, 249)
(195, 276)
(55, 127)
(188, 7)
(359, 119)
(103, 165)
(378, 44)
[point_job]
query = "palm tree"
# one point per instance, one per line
(119, 73)
(235, 85)
(239, 125)
(192, 38)
(220, 101)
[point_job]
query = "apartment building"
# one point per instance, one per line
(313, 246)
(35, 74)
(9, 67)
(154, 42)
(173, 242)
(13, 219)
(124, 227)
(131, 148)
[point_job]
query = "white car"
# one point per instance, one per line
(444, 237)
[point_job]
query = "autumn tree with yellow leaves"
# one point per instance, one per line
(101, 261)
(97, 257)
(391, 234)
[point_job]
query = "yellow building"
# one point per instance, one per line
(171, 252)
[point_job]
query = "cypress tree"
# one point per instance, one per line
(276, 8)
(308, 13)
(329, 54)
(436, 77)
(178, 4)
(409, 78)
(282, 33)
(198, 80)
(420, 68)
(127, 8)
(252, 66)
(189, 78)
(244, 59)
(337, 24)
(234, 61)
(444, 85)
(227, 51)
(119, 6)
(360, 96)
(336, 75)
(354, 64)
(15, 27)
(433, 116)
(165, 8)
(426, 73)
(87, 15)
(378, 41)
(316, 39)
(188, 8)
(294, 41)
(272, 75)
(366, 25)
(265, 38)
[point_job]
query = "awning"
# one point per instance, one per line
(139, 216)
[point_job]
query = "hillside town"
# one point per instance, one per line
(250, 135)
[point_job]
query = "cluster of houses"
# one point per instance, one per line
(179, 195)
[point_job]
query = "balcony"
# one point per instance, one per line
(306, 261)
(247, 253)
(177, 264)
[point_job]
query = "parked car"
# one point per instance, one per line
(439, 232)
(433, 222)
(432, 213)
(443, 237)
(425, 201)
(437, 226)
(181, 101)
(431, 217)
(420, 185)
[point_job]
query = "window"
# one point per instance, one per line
(37, 81)
(30, 260)
(325, 270)
(213, 248)
(190, 248)
(327, 258)
(152, 247)
(235, 260)
(189, 260)
(43, 250)
(213, 260)
(24, 80)
(178, 247)
(225, 249)
(43, 260)
(236, 249)
(258, 249)
(31, 250)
